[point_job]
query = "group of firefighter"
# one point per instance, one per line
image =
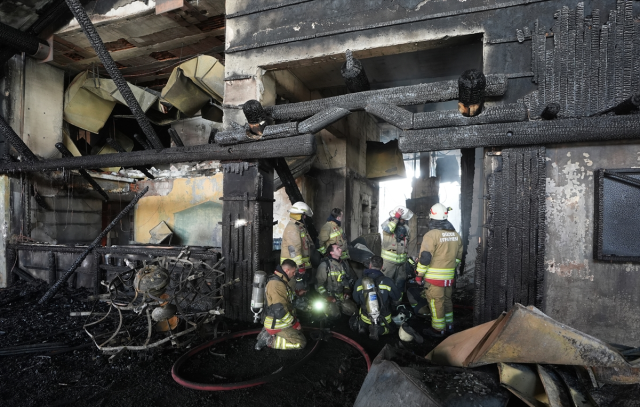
(374, 301)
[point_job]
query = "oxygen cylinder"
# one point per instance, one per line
(371, 297)
(257, 292)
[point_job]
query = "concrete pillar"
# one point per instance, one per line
(5, 223)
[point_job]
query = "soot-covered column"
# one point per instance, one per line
(247, 230)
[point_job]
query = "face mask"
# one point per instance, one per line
(400, 233)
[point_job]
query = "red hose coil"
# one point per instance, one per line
(254, 382)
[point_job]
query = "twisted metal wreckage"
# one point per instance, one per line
(593, 105)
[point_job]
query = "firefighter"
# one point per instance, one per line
(297, 245)
(281, 328)
(374, 293)
(440, 253)
(332, 232)
(334, 284)
(395, 237)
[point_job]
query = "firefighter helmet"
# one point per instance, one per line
(439, 212)
(301, 207)
(406, 212)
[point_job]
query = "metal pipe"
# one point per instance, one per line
(97, 44)
(16, 142)
(295, 146)
(54, 288)
(116, 146)
(66, 153)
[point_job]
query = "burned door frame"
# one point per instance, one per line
(510, 256)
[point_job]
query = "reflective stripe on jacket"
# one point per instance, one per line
(445, 247)
(393, 250)
(278, 291)
(331, 233)
(331, 277)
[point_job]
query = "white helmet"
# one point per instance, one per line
(406, 212)
(301, 207)
(439, 212)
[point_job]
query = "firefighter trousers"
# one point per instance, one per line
(439, 299)
(289, 339)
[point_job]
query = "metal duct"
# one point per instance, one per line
(97, 44)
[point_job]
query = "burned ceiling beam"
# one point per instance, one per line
(116, 146)
(23, 42)
(496, 85)
(111, 67)
(67, 154)
(58, 284)
(405, 120)
(244, 135)
(295, 146)
(523, 133)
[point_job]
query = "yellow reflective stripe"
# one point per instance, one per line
(394, 257)
(283, 344)
(436, 323)
(384, 287)
(322, 290)
(458, 260)
(359, 288)
(392, 226)
(345, 255)
(388, 318)
(421, 269)
(284, 322)
(364, 318)
(440, 274)
(335, 234)
(306, 262)
(335, 273)
(322, 250)
(448, 317)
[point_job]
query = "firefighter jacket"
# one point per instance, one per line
(332, 233)
(440, 253)
(394, 241)
(296, 244)
(386, 290)
(279, 312)
(332, 278)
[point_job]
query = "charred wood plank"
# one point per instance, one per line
(296, 146)
(243, 135)
(322, 119)
(514, 112)
(399, 117)
(67, 154)
(524, 133)
(594, 88)
(175, 137)
(400, 96)
(116, 146)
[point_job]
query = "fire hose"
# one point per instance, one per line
(254, 382)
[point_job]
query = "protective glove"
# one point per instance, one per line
(346, 293)
(419, 281)
(331, 299)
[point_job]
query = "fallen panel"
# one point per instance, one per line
(386, 384)
(525, 335)
(524, 382)
(160, 233)
(579, 395)
(554, 387)
(85, 109)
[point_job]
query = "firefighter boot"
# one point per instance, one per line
(434, 333)
(450, 330)
(264, 339)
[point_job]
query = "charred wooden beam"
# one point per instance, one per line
(296, 146)
(67, 154)
(399, 117)
(116, 146)
(524, 133)
(472, 85)
(176, 138)
(292, 190)
(322, 119)
(256, 116)
(23, 42)
(7, 132)
(56, 287)
(496, 85)
(354, 75)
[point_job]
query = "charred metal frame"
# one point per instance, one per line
(628, 212)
